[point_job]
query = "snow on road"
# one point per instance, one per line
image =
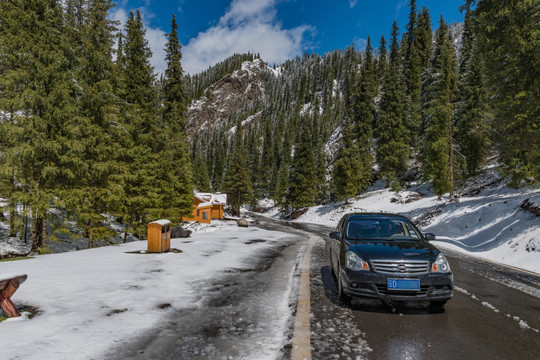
(91, 299)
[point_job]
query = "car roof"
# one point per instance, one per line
(380, 215)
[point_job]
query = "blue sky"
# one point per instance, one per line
(211, 30)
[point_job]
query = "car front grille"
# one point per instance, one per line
(400, 267)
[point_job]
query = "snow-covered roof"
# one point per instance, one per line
(161, 222)
(211, 199)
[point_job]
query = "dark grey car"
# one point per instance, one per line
(385, 256)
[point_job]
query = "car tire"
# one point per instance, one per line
(332, 266)
(344, 298)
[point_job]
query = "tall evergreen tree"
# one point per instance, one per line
(347, 173)
(439, 96)
(95, 191)
(508, 38)
(424, 38)
(176, 170)
(237, 180)
(38, 92)
(283, 173)
(363, 106)
(473, 125)
(267, 159)
(392, 146)
(144, 139)
(382, 59)
(302, 183)
(413, 76)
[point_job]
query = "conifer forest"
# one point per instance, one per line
(88, 130)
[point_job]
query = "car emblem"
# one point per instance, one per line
(402, 267)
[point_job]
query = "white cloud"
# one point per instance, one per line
(247, 26)
(352, 3)
(360, 43)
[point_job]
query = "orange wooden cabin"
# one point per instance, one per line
(207, 206)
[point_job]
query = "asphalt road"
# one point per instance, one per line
(494, 314)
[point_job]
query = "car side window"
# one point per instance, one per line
(340, 226)
(412, 232)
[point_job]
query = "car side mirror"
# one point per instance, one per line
(335, 235)
(429, 236)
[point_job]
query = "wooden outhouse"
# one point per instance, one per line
(159, 236)
(207, 206)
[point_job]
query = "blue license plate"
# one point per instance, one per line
(403, 284)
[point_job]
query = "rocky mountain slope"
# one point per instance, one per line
(231, 94)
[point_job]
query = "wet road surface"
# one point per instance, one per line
(494, 314)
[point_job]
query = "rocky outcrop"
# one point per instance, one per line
(227, 96)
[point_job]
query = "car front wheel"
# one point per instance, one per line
(346, 299)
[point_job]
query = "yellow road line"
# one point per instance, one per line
(301, 346)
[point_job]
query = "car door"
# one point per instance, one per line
(336, 246)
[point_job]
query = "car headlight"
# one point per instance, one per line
(440, 265)
(354, 262)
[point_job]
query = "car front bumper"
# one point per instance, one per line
(433, 287)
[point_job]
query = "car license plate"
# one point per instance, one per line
(403, 284)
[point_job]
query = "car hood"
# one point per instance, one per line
(394, 250)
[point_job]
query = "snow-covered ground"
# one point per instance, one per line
(90, 300)
(487, 222)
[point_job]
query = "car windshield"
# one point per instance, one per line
(381, 229)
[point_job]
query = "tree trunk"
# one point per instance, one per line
(451, 153)
(43, 242)
(35, 232)
(89, 234)
(25, 228)
(12, 214)
(238, 204)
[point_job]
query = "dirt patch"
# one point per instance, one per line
(254, 241)
(116, 311)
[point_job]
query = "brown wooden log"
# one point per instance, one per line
(7, 289)
(9, 308)
(10, 289)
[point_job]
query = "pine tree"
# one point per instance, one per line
(201, 179)
(348, 169)
(424, 39)
(144, 139)
(473, 124)
(237, 180)
(413, 75)
(38, 92)
(283, 173)
(392, 147)
(95, 192)
(438, 101)
(508, 39)
(266, 162)
(382, 59)
(175, 161)
(302, 183)
(363, 107)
